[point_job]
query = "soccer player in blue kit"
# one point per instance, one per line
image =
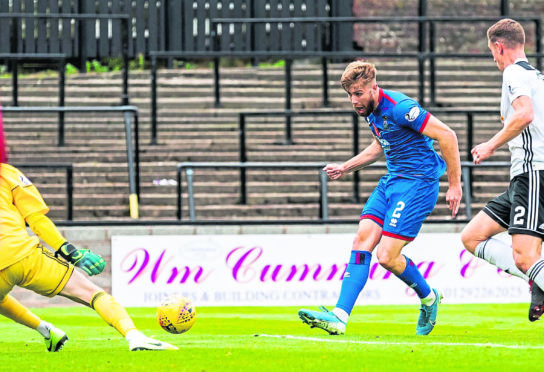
(404, 197)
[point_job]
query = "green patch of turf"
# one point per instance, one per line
(379, 338)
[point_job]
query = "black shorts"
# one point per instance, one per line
(520, 209)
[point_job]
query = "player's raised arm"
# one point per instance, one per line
(368, 156)
(447, 140)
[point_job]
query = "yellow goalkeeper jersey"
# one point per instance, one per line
(19, 198)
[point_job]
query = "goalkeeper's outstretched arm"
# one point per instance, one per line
(46, 230)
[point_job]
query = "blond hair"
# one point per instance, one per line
(356, 72)
(508, 31)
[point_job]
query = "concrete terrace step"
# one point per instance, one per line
(184, 119)
(202, 178)
(266, 212)
(192, 129)
(187, 116)
(342, 207)
(182, 84)
(210, 188)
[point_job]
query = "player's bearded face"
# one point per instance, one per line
(363, 97)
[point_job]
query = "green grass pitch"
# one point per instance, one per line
(491, 337)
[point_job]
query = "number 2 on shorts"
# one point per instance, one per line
(400, 207)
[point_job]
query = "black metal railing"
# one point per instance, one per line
(69, 169)
(469, 139)
(242, 131)
(423, 22)
(421, 55)
(189, 167)
(323, 215)
(133, 150)
(242, 116)
(466, 175)
(286, 55)
(469, 115)
(17, 58)
(288, 73)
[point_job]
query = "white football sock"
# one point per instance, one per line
(44, 328)
(500, 254)
(536, 273)
(429, 300)
(133, 333)
(341, 314)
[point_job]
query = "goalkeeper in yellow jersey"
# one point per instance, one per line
(25, 263)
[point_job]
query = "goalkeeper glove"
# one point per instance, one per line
(86, 260)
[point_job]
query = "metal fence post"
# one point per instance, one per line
(153, 100)
(137, 150)
(289, 128)
(465, 171)
(323, 196)
(243, 156)
(70, 191)
(470, 134)
(470, 139)
(133, 197)
(179, 193)
(288, 103)
(82, 37)
(190, 194)
(125, 30)
(62, 90)
(421, 12)
(505, 8)
(14, 83)
(216, 85)
(325, 81)
(216, 62)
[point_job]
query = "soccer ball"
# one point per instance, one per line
(176, 314)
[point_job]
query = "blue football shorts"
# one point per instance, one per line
(400, 205)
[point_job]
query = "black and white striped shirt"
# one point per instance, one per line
(527, 149)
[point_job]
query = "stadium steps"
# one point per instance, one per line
(191, 129)
(304, 210)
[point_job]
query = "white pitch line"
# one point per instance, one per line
(290, 337)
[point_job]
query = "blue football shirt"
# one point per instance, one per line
(397, 123)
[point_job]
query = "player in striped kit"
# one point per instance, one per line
(520, 209)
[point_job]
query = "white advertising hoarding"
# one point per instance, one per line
(274, 270)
